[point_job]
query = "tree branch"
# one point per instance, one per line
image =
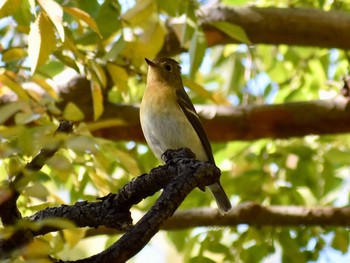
(10, 191)
(258, 215)
(181, 174)
(253, 214)
(290, 26)
(223, 123)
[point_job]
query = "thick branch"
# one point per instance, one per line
(255, 214)
(252, 214)
(10, 191)
(290, 26)
(189, 174)
(252, 122)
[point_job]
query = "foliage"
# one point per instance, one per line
(45, 42)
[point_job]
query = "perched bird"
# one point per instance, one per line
(169, 120)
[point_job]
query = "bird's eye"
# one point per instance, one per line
(168, 67)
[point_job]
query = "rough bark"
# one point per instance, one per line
(223, 123)
(290, 26)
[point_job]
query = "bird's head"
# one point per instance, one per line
(164, 70)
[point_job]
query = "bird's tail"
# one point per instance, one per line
(221, 198)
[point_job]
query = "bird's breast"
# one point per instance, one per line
(165, 126)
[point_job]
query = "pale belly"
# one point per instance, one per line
(164, 131)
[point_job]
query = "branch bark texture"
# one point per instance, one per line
(290, 26)
(223, 123)
(255, 214)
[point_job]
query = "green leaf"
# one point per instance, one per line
(8, 81)
(113, 53)
(98, 73)
(8, 110)
(66, 60)
(83, 16)
(72, 113)
(55, 12)
(36, 190)
(41, 41)
(13, 54)
(120, 77)
(97, 98)
(341, 241)
(233, 31)
(9, 7)
(45, 86)
(26, 117)
(109, 14)
(139, 13)
(170, 7)
(197, 51)
(23, 15)
(189, 26)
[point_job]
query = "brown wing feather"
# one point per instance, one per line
(187, 107)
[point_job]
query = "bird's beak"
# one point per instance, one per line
(150, 62)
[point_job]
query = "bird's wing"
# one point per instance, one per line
(187, 107)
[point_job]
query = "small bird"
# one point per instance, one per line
(170, 121)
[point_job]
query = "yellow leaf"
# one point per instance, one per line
(8, 110)
(13, 54)
(232, 30)
(9, 7)
(98, 125)
(97, 98)
(150, 43)
(201, 91)
(73, 236)
(6, 80)
(26, 117)
(55, 13)
(38, 247)
(120, 77)
(129, 162)
(45, 86)
(98, 73)
(140, 13)
(41, 41)
(36, 190)
(72, 113)
(83, 16)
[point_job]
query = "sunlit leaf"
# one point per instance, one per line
(108, 18)
(129, 162)
(6, 80)
(41, 41)
(73, 236)
(197, 51)
(55, 12)
(45, 86)
(68, 61)
(8, 110)
(97, 98)
(139, 13)
(26, 117)
(37, 248)
(113, 53)
(171, 7)
(341, 241)
(72, 113)
(13, 54)
(36, 190)
(98, 73)
(9, 7)
(200, 90)
(119, 75)
(234, 31)
(83, 16)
